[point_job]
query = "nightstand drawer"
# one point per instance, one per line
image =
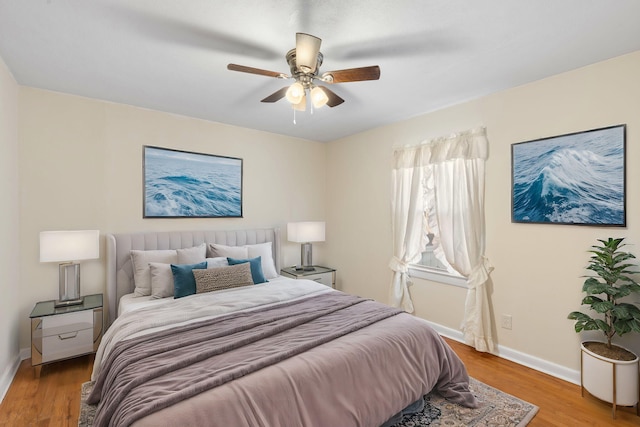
(67, 344)
(66, 335)
(324, 278)
(67, 322)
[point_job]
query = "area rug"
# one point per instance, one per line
(496, 409)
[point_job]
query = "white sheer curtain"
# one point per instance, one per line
(450, 190)
(407, 221)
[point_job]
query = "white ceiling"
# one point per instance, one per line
(172, 55)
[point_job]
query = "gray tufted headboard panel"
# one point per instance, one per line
(120, 268)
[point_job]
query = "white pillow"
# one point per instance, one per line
(192, 255)
(217, 250)
(141, 271)
(161, 280)
(264, 250)
(217, 262)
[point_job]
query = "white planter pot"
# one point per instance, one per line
(600, 375)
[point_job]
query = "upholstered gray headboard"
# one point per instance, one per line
(120, 268)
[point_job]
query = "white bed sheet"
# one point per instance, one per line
(131, 302)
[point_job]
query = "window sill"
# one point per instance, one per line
(436, 276)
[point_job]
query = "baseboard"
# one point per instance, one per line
(6, 377)
(25, 353)
(541, 365)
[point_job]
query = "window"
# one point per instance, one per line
(431, 268)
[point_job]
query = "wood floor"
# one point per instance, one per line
(51, 400)
(560, 402)
(54, 398)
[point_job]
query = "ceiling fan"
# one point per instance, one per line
(304, 62)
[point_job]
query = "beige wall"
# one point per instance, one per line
(537, 267)
(9, 237)
(81, 168)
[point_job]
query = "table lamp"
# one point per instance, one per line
(305, 233)
(67, 247)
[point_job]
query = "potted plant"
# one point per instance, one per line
(609, 372)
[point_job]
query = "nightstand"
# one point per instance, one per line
(65, 332)
(324, 275)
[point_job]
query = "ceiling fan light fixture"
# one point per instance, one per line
(318, 97)
(302, 105)
(307, 48)
(295, 93)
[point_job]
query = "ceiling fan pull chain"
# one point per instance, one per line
(294, 116)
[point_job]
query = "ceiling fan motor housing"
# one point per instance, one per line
(302, 75)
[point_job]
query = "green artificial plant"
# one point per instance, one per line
(604, 290)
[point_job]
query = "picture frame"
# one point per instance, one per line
(576, 178)
(185, 184)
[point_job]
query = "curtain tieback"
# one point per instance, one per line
(396, 264)
(480, 273)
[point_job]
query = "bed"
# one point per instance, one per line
(283, 352)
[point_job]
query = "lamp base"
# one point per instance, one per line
(69, 285)
(69, 302)
(306, 255)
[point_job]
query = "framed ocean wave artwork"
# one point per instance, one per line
(183, 184)
(577, 179)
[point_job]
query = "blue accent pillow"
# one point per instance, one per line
(256, 268)
(183, 281)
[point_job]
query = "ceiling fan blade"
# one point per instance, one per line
(307, 48)
(277, 95)
(333, 98)
(352, 75)
(251, 70)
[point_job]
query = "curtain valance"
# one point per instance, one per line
(471, 144)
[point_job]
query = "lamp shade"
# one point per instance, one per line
(307, 48)
(308, 231)
(318, 97)
(302, 105)
(295, 93)
(72, 245)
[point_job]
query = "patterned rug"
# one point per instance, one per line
(497, 409)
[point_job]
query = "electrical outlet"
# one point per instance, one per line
(506, 321)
